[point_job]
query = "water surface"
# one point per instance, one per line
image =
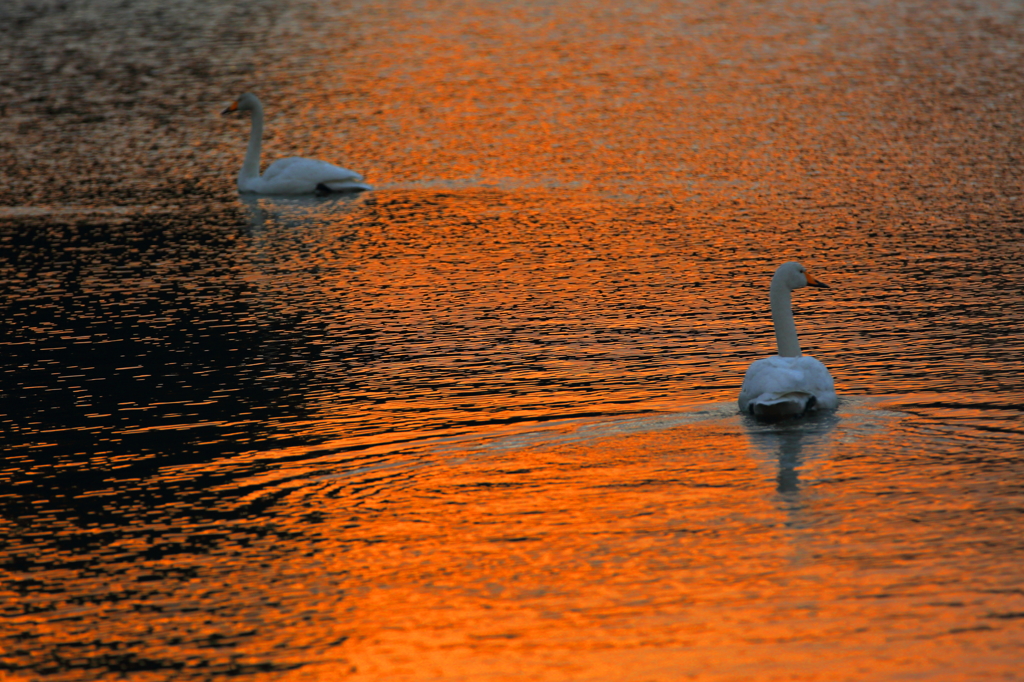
(479, 423)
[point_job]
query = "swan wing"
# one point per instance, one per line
(779, 387)
(277, 168)
(296, 175)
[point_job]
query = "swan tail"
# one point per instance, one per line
(783, 406)
(342, 186)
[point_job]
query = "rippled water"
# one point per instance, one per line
(479, 423)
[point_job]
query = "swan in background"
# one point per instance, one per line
(788, 384)
(294, 175)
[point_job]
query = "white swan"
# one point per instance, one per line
(294, 175)
(788, 384)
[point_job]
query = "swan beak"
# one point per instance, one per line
(811, 282)
(233, 107)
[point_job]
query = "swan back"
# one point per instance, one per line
(296, 175)
(778, 387)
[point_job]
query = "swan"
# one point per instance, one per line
(788, 384)
(294, 175)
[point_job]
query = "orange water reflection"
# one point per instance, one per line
(669, 553)
(695, 543)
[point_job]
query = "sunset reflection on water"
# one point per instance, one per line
(479, 423)
(699, 544)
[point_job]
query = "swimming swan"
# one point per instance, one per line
(788, 384)
(293, 175)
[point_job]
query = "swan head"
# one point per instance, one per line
(247, 102)
(793, 275)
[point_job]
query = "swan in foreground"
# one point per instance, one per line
(294, 175)
(788, 384)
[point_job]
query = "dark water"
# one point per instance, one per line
(479, 423)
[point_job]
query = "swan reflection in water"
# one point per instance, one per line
(298, 211)
(293, 241)
(793, 443)
(790, 448)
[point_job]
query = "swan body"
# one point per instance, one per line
(294, 175)
(788, 384)
(778, 387)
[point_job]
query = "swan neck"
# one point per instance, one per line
(782, 317)
(251, 165)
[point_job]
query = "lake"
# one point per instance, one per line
(480, 423)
